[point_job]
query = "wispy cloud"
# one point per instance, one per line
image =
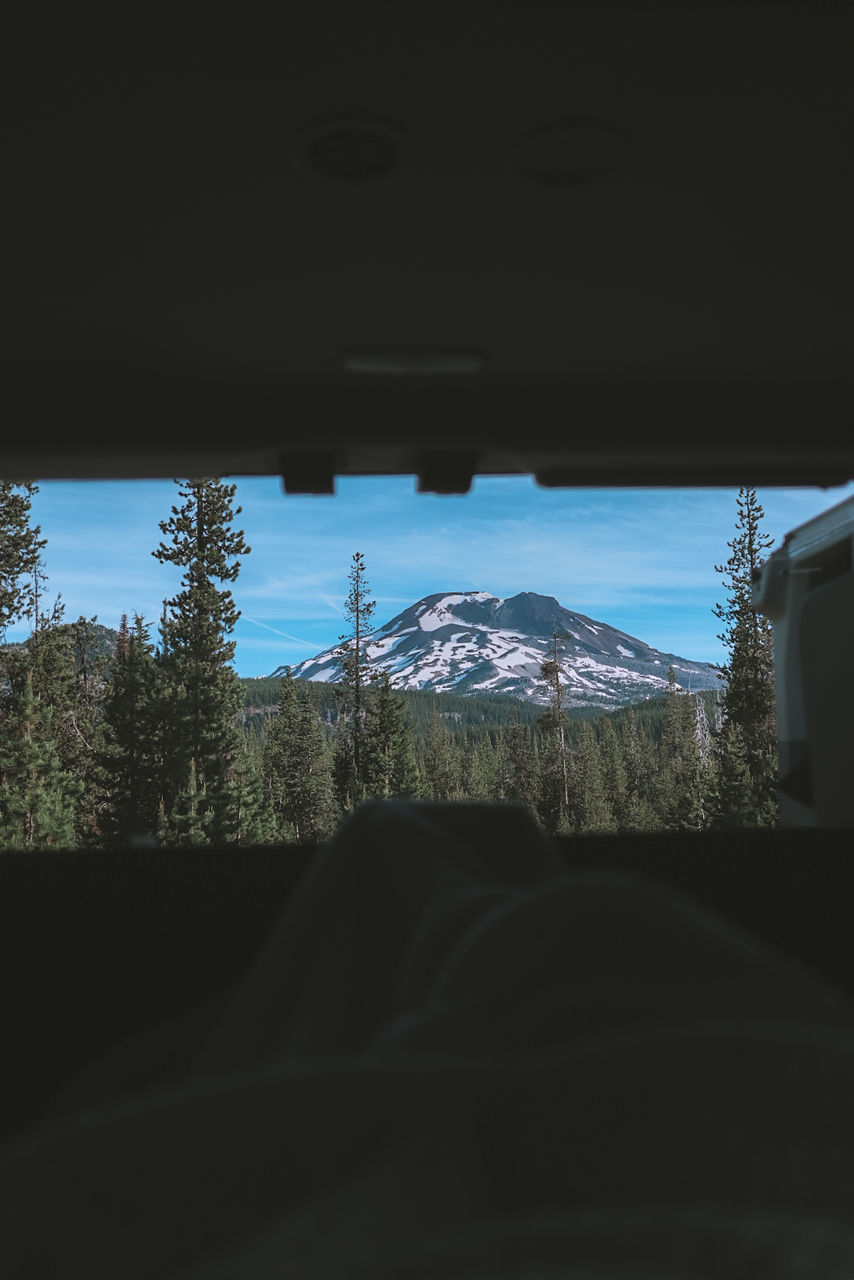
(308, 644)
(331, 604)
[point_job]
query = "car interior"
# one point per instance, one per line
(601, 244)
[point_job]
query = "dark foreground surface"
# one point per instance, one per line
(439, 1045)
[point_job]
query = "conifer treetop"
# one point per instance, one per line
(749, 550)
(747, 745)
(20, 553)
(205, 545)
(201, 533)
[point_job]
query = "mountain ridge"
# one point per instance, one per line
(472, 642)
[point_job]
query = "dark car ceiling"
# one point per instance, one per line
(602, 243)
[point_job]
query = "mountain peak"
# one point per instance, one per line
(474, 642)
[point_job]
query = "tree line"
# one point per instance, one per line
(153, 743)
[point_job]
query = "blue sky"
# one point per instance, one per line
(641, 560)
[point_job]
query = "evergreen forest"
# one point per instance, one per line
(147, 735)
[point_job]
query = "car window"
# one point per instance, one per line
(208, 661)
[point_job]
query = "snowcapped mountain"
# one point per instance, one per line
(471, 642)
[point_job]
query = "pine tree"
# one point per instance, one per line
(82, 727)
(20, 554)
(38, 797)
(519, 766)
(481, 773)
(256, 819)
(589, 807)
(51, 659)
(129, 759)
(388, 762)
(200, 692)
(191, 817)
(748, 697)
(554, 777)
(704, 759)
(440, 776)
(356, 671)
(297, 770)
(52, 709)
(613, 772)
(639, 765)
(347, 789)
(731, 802)
(679, 782)
(553, 789)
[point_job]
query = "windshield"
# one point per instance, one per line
(212, 660)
